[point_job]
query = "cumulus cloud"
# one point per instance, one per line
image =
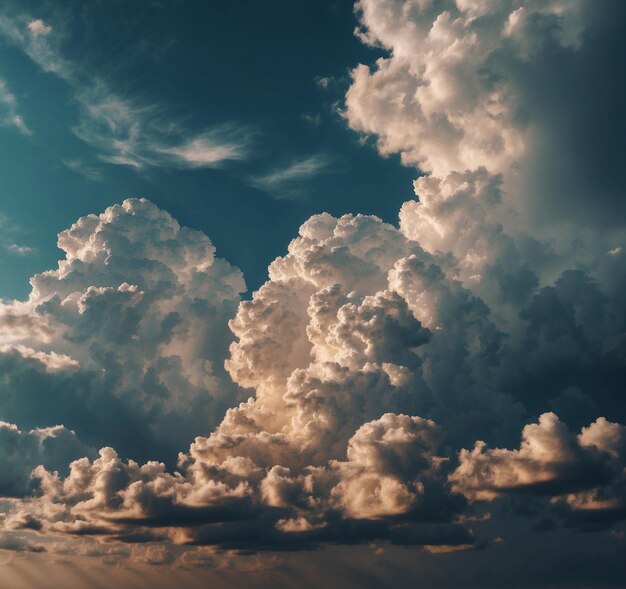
(583, 473)
(468, 85)
(368, 361)
(22, 451)
(134, 320)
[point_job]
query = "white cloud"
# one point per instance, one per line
(136, 314)
(471, 85)
(20, 250)
(38, 27)
(437, 99)
(290, 182)
(211, 148)
(124, 131)
(9, 116)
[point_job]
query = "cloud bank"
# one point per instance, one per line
(393, 384)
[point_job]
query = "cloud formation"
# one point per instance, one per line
(9, 115)
(122, 129)
(375, 387)
(290, 182)
(466, 85)
(21, 452)
(370, 363)
(127, 337)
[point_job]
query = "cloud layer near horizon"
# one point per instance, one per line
(386, 383)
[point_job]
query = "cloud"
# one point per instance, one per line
(123, 130)
(583, 473)
(20, 250)
(337, 404)
(39, 27)
(291, 182)
(367, 364)
(126, 132)
(21, 452)
(465, 85)
(210, 148)
(9, 116)
(134, 320)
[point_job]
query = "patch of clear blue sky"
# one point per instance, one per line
(202, 64)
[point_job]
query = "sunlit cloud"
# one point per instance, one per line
(38, 28)
(449, 379)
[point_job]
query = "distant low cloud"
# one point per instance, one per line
(20, 250)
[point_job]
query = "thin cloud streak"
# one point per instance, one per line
(123, 130)
(9, 116)
(290, 182)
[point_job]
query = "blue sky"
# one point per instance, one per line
(187, 68)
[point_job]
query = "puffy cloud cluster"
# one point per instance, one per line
(370, 363)
(331, 445)
(356, 342)
(444, 98)
(126, 339)
(584, 473)
(477, 95)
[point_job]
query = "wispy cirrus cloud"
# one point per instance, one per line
(123, 130)
(291, 181)
(34, 37)
(9, 115)
(128, 132)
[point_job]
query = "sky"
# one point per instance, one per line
(265, 79)
(312, 294)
